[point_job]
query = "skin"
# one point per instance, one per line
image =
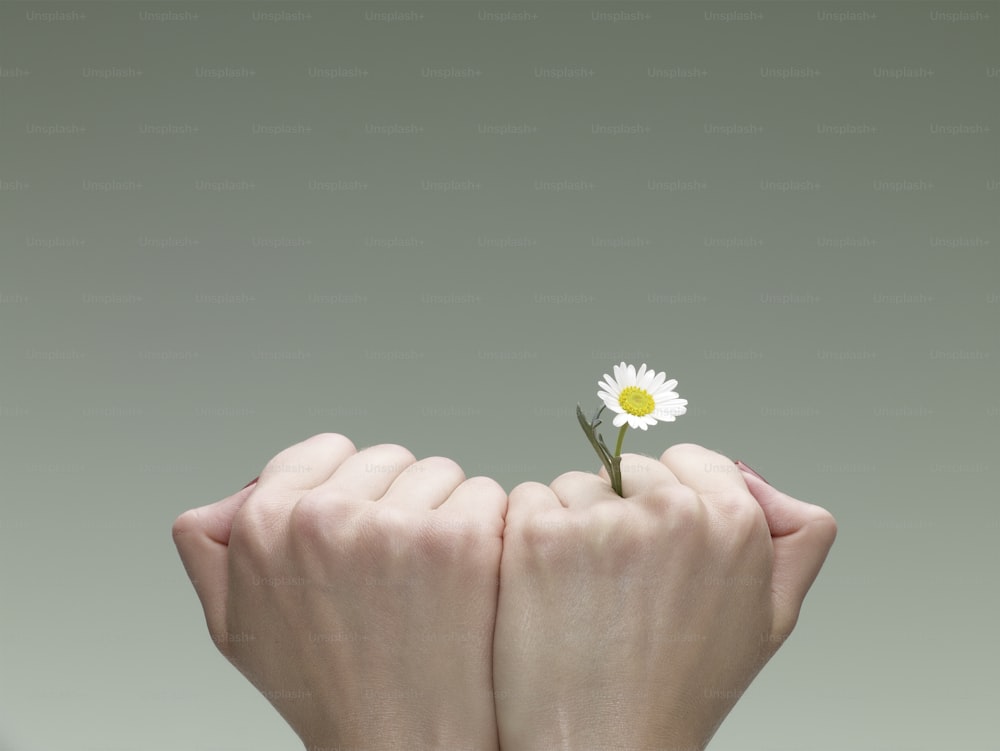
(357, 591)
(638, 622)
(379, 602)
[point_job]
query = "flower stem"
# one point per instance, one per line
(621, 437)
(616, 461)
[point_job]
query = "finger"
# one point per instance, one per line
(291, 473)
(202, 537)
(370, 473)
(529, 499)
(714, 477)
(580, 490)
(703, 470)
(802, 535)
(480, 500)
(216, 519)
(640, 474)
(425, 484)
(306, 464)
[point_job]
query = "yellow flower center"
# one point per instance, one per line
(636, 401)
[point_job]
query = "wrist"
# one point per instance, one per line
(610, 727)
(382, 733)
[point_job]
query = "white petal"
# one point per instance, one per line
(620, 419)
(657, 381)
(620, 372)
(664, 395)
(668, 409)
(610, 386)
(630, 375)
(613, 404)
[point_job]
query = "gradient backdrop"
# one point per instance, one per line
(225, 227)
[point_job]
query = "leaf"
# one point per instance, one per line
(595, 440)
(612, 464)
(616, 477)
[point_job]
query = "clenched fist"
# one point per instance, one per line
(357, 591)
(638, 622)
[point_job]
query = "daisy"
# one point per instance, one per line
(640, 398)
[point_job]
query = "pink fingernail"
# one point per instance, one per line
(257, 478)
(751, 470)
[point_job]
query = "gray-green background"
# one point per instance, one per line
(225, 227)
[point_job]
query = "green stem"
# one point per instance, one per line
(621, 437)
(616, 460)
(616, 476)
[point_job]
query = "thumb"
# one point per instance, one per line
(802, 535)
(202, 539)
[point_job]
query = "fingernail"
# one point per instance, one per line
(257, 478)
(751, 470)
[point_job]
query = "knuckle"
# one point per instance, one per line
(737, 508)
(636, 462)
(685, 509)
(542, 534)
(440, 465)
(185, 524)
(686, 517)
(678, 503)
(747, 513)
(449, 540)
(394, 449)
(530, 487)
(682, 451)
(389, 528)
(386, 457)
(609, 526)
(486, 486)
(573, 474)
(521, 495)
(606, 514)
(338, 440)
(284, 460)
(306, 519)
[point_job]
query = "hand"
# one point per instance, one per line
(357, 591)
(638, 622)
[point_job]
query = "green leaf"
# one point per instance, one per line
(616, 476)
(612, 464)
(595, 440)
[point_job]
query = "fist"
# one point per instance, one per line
(639, 621)
(350, 587)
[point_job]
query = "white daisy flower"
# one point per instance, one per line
(640, 398)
